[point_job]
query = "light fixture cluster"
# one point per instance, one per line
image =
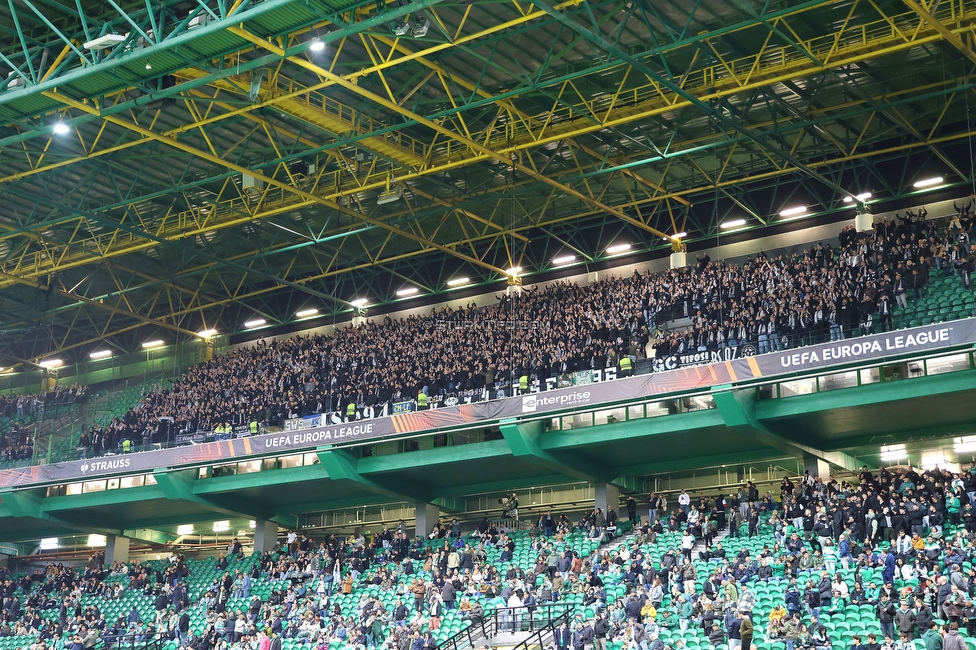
(890, 453)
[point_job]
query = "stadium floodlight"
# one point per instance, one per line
(793, 212)
(618, 248)
(95, 539)
(184, 529)
(863, 196)
(677, 235)
(104, 42)
(316, 45)
(252, 524)
(49, 544)
(964, 445)
(563, 259)
(891, 453)
(457, 282)
(61, 128)
(513, 270)
(305, 313)
(734, 223)
(257, 322)
(100, 354)
(207, 333)
(407, 291)
(420, 29)
(51, 363)
(158, 343)
(389, 197)
(359, 302)
(221, 526)
(928, 182)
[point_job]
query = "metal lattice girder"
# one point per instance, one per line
(168, 38)
(152, 181)
(573, 116)
(241, 209)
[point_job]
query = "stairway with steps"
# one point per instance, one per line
(616, 542)
(700, 546)
(504, 640)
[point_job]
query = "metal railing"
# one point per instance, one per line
(536, 619)
(131, 642)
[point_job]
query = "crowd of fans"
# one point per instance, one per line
(771, 302)
(911, 532)
(16, 441)
(16, 444)
(18, 406)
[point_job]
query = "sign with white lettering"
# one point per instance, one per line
(465, 408)
(675, 361)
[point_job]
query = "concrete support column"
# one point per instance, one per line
(817, 467)
(265, 536)
(607, 496)
(116, 549)
(427, 515)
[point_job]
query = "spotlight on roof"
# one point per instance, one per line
(964, 445)
(158, 343)
(734, 223)
(513, 270)
(257, 322)
(61, 128)
(420, 29)
(51, 363)
(100, 354)
(457, 282)
(389, 197)
(104, 42)
(359, 302)
(793, 212)
(863, 196)
(207, 333)
(316, 45)
(401, 28)
(563, 259)
(891, 453)
(618, 248)
(928, 182)
(305, 313)
(407, 291)
(677, 235)
(221, 526)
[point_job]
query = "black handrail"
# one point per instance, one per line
(506, 619)
(542, 637)
(155, 641)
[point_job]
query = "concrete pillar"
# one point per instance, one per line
(427, 515)
(116, 549)
(265, 536)
(607, 496)
(817, 467)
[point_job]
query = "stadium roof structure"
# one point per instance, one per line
(195, 164)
